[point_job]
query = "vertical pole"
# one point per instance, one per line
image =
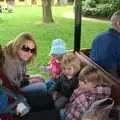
(77, 29)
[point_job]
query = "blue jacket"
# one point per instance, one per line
(105, 51)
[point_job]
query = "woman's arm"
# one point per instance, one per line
(36, 78)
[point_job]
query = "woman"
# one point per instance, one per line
(18, 53)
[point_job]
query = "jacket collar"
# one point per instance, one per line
(115, 32)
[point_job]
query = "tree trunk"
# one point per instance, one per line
(58, 2)
(33, 2)
(47, 12)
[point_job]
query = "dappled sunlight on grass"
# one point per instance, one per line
(69, 15)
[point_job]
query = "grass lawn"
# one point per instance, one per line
(29, 18)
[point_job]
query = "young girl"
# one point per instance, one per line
(92, 87)
(57, 51)
(68, 80)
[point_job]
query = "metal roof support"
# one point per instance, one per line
(77, 29)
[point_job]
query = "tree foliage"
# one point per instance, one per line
(100, 8)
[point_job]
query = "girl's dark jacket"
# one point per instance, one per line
(66, 86)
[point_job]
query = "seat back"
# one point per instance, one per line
(86, 51)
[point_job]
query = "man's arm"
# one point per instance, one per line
(93, 51)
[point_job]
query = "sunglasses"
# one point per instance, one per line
(27, 49)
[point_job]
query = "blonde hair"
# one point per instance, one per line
(73, 60)
(1, 56)
(14, 45)
(93, 75)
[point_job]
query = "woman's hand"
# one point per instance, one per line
(22, 109)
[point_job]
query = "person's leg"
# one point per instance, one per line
(52, 87)
(38, 97)
(50, 84)
(61, 102)
(62, 114)
(35, 87)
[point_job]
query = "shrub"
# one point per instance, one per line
(92, 8)
(105, 10)
(90, 3)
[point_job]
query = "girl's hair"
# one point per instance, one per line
(14, 45)
(93, 75)
(73, 60)
(0, 52)
(1, 56)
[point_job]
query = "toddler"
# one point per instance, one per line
(68, 79)
(57, 51)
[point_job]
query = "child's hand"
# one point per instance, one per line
(45, 68)
(54, 95)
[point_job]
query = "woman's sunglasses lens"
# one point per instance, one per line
(27, 49)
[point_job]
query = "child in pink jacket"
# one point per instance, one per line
(58, 49)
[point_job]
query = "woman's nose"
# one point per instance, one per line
(29, 53)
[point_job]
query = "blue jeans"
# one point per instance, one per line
(62, 114)
(36, 95)
(50, 84)
(35, 87)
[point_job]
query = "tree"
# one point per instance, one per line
(47, 11)
(60, 2)
(56, 2)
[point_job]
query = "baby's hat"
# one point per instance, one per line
(58, 47)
